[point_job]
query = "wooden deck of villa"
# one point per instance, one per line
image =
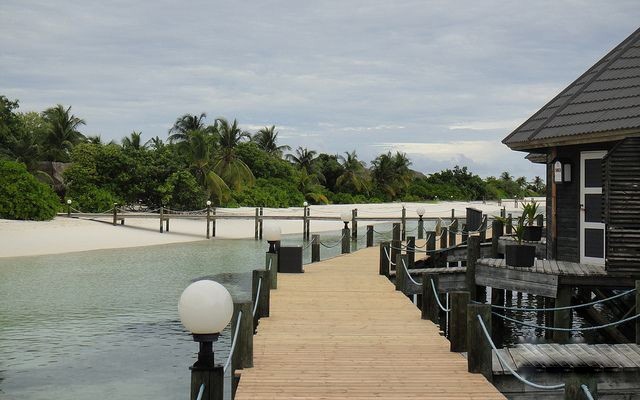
(341, 330)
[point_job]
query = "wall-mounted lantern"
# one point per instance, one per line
(561, 171)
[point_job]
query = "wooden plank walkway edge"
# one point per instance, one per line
(341, 331)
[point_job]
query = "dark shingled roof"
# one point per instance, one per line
(606, 98)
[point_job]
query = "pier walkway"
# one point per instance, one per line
(342, 331)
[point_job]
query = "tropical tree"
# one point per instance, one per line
(94, 139)
(62, 132)
(155, 143)
(133, 141)
(267, 139)
(227, 164)
(199, 148)
(391, 173)
(522, 182)
(506, 176)
(185, 124)
(354, 175)
(310, 188)
(303, 159)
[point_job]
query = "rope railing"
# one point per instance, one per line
(586, 391)
(435, 294)
(255, 305)
(233, 343)
(96, 212)
(572, 329)
(334, 244)
(269, 266)
(408, 274)
(532, 309)
(389, 257)
(200, 392)
(511, 370)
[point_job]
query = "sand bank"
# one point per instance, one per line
(63, 235)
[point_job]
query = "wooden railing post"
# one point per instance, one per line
(166, 222)
(497, 230)
(453, 213)
(430, 309)
(401, 274)
(478, 348)
(444, 235)
(562, 318)
(431, 241)
(369, 235)
(161, 217)
(271, 265)
(483, 228)
(464, 236)
(243, 354)
(354, 224)
(540, 220)
(411, 252)
(404, 223)
(260, 223)
(308, 223)
(213, 223)
(346, 241)
(263, 296)
(208, 218)
(384, 259)
(458, 320)
(255, 224)
(395, 243)
(503, 212)
(420, 227)
(115, 214)
(315, 248)
(304, 223)
(453, 233)
(497, 299)
(213, 379)
(509, 228)
(573, 386)
(473, 252)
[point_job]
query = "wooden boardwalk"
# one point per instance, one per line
(341, 331)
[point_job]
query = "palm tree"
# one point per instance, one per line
(199, 147)
(267, 140)
(391, 173)
(94, 139)
(311, 189)
(402, 163)
(506, 176)
(23, 146)
(63, 132)
(538, 184)
(155, 143)
(354, 175)
(303, 158)
(133, 141)
(184, 124)
(227, 164)
(522, 182)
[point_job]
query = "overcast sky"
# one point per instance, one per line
(443, 81)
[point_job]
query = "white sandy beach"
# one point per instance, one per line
(63, 235)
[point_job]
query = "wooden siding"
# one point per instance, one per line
(621, 206)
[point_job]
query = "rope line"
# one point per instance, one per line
(435, 293)
(561, 308)
(551, 328)
(586, 391)
(233, 343)
(505, 365)
(389, 256)
(200, 392)
(255, 306)
(408, 274)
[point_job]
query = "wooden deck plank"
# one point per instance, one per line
(341, 331)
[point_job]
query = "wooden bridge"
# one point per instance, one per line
(341, 330)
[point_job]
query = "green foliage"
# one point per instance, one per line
(263, 164)
(90, 198)
(182, 192)
(274, 192)
(530, 212)
(22, 196)
(342, 198)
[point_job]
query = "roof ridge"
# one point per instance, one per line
(621, 48)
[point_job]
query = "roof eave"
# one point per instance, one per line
(595, 137)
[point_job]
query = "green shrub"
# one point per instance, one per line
(90, 198)
(269, 193)
(22, 196)
(342, 198)
(182, 192)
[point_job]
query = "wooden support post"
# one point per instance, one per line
(243, 354)
(479, 358)
(562, 318)
(458, 320)
(411, 252)
(354, 224)
(453, 213)
(637, 322)
(442, 315)
(308, 223)
(69, 211)
(404, 223)
(509, 227)
(208, 218)
(315, 248)
(304, 223)
(115, 214)
(213, 222)
(395, 244)
(483, 229)
(444, 235)
(401, 273)
(384, 258)
(260, 224)
(497, 299)
(431, 241)
(213, 380)
(167, 224)
(261, 275)
(430, 309)
(271, 265)
(420, 227)
(548, 315)
(497, 230)
(503, 212)
(453, 232)
(540, 220)
(346, 241)
(161, 217)
(255, 224)
(438, 227)
(369, 235)
(473, 252)
(573, 386)
(464, 235)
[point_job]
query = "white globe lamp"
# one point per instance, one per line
(346, 217)
(272, 235)
(208, 203)
(305, 204)
(68, 202)
(420, 212)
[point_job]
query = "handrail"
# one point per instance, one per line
(388, 256)
(255, 306)
(435, 294)
(505, 365)
(408, 274)
(551, 328)
(233, 343)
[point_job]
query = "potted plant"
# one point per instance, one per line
(532, 233)
(519, 255)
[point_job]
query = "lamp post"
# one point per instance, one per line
(205, 309)
(208, 218)
(346, 245)
(272, 234)
(68, 208)
(305, 233)
(420, 212)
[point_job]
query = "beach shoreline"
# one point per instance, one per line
(66, 235)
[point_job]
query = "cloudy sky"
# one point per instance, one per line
(443, 81)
